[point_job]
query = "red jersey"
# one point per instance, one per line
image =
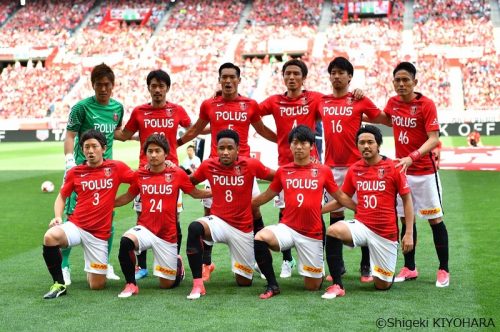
(232, 189)
(236, 114)
(96, 188)
(159, 192)
(342, 118)
(377, 187)
(410, 122)
(303, 188)
(165, 120)
(288, 113)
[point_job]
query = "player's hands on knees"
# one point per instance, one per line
(407, 243)
(404, 163)
(55, 222)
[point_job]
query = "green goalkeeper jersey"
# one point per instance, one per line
(89, 114)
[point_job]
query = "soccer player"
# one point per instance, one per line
(100, 112)
(156, 228)
(231, 178)
(157, 117)
(303, 182)
(376, 181)
(192, 162)
(416, 132)
(342, 114)
(229, 111)
(96, 182)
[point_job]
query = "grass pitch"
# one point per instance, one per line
(471, 210)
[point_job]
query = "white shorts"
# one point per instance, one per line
(138, 203)
(207, 202)
(309, 251)
(95, 251)
(426, 194)
(240, 244)
(339, 177)
(383, 252)
(164, 253)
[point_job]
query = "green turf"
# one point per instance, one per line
(471, 216)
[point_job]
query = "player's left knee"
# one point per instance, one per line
(381, 284)
(242, 281)
(97, 283)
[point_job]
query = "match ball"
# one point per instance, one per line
(47, 187)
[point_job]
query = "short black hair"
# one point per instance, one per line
(370, 130)
(190, 146)
(229, 133)
(303, 133)
(296, 62)
(160, 75)
(159, 140)
(100, 71)
(341, 63)
(407, 66)
(230, 65)
(93, 134)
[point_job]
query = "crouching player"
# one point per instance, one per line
(301, 226)
(156, 228)
(377, 182)
(231, 178)
(96, 182)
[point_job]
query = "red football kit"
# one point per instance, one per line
(411, 121)
(303, 188)
(232, 189)
(288, 113)
(342, 118)
(377, 187)
(236, 114)
(165, 120)
(96, 188)
(159, 193)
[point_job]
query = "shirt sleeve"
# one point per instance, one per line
(132, 123)
(330, 184)
(402, 183)
(127, 175)
(276, 184)
(76, 118)
(265, 108)
(199, 174)
(69, 183)
(134, 188)
(369, 108)
(348, 186)
(120, 120)
(184, 119)
(255, 117)
(430, 114)
(388, 107)
(204, 111)
(261, 171)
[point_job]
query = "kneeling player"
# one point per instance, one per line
(96, 182)
(231, 178)
(301, 226)
(377, 182)
(156, 228)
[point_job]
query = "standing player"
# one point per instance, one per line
(416, 133)
(342, 114)
(191, 162)
(231, 178)
(376, 181)
(229, 111)
(96, 182)
(157, 224)
(158, 117)
(100, 112)
(301, 227)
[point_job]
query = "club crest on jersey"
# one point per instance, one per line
(304, 101)
(314, 172)
(243, 105)
(237, 170)
(168, 112)
(115, 117)
(413, 110)
(349, 100)
(107, 171)
(381, 173)
(168, 177)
